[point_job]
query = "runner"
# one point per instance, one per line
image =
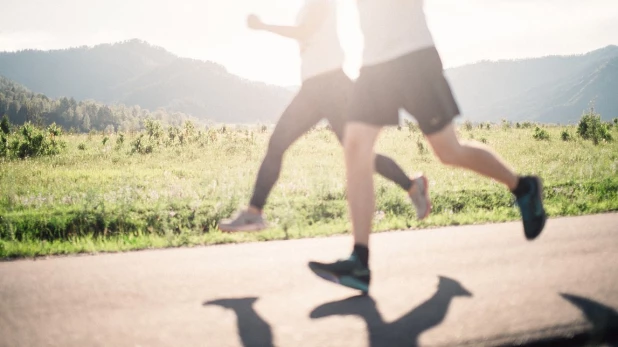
(324, 93)
(402, 69)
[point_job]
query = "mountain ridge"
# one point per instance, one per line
(546, 89)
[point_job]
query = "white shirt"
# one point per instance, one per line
(392, 28)
(321, 52)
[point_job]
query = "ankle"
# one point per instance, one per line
(362, 252)
(413, 188)
(521, 188)
(254, 210)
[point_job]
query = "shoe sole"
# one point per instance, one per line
(250, 227)
(345, 281)
(426, 196)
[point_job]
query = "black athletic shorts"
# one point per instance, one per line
(414, 82)
(325, 96)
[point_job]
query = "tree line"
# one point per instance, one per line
(21, 105)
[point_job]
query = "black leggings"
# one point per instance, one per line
(321, 97)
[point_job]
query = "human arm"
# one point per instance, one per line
(310, 21)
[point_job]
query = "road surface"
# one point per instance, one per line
(471, 286)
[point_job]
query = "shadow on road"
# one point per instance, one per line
(604, 319)
(406, 330)
(253, 329)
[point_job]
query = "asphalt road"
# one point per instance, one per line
(473, 286)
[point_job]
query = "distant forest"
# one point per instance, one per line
(21, 105)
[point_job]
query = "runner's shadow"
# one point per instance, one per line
(253, 330)
(406, 330)
(604, 319)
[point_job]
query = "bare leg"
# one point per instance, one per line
(471, 155)
(359, 141)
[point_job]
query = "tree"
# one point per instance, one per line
(86, 123)
(5, 125)
(12, 112)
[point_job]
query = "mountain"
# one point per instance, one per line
(137, 73)
(553, 89)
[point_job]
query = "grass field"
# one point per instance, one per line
(97, 196)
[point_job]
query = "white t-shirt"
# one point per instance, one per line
(321, 52)
(392, 28)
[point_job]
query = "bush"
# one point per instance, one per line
(5, 125)
(591, 127)
(527, 125)
(120, 139)
(566, 136)
(81, 146)
(31, 141)
(142, 145)
(468, 125)
(540, 134)
(421, 146)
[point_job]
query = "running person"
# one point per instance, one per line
(324, 93)
(402, 69)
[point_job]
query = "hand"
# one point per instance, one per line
(254, 22)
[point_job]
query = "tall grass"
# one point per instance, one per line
(166, 188)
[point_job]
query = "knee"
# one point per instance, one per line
(452, 156)
(276, 148)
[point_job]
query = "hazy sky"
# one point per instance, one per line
(464, 30)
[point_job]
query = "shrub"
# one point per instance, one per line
(468, 125)
(5, 125)
(421, 146)
(566, 136)
(540, 134)
(591, 127)
(81, 146)
(31, 141)
(120, 140)
(141, 145)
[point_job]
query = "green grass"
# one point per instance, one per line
(98, 197)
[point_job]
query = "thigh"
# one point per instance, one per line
(298, 118)
(336, 99)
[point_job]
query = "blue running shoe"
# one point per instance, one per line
(531, 207)
(346, 272)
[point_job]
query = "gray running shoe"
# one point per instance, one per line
(243, 221)
(420, 197)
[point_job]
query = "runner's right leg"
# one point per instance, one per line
(417, 187)
(480, 159)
